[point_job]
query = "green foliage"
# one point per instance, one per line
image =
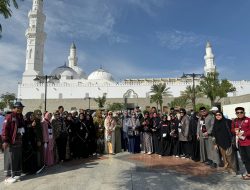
(7, 99)
(101, 101)
(159, 91)
(214, 88)
(181, 102)
(197, 106)
(116, 107)
(2, 105)
(5, 9)
(189, 95)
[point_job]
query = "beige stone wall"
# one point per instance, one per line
(52, 104)
(236, 99)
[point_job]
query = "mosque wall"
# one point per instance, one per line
(69, 104)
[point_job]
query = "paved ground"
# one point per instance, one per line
(132, 172)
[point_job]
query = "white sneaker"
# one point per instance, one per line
(11, 180)
(17, 178)
(149, 153)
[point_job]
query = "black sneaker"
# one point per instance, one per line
(213, 165)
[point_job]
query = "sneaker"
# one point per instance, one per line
(213, 165)
(10, 180)
(149, 153)
(6, 180)
(39, 171)
(17, 178)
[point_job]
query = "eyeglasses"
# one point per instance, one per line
(218, 115)
(239, 112)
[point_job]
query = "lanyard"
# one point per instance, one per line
(239, 125)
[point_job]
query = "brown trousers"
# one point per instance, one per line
(229, 160)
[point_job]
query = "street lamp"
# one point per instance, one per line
(193, 75)
(45, 79)
(88, 97)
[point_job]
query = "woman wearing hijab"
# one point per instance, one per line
(110, 125)
(48, 140)
(71, 128)
(195, 144)
(134, 134)
(156, 134)
(99, 124)
(82, 137)
(91, 134)
(223, 140)
(60, 136)
(165, 136)
(147, 134)
(29, 145)
(175, 150)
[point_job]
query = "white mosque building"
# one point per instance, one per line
(73, 83)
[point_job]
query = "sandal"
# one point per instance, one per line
(246, 177)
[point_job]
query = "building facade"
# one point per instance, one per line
(72, 83)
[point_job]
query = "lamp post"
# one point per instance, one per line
(45, 79)
(88, 97)
(193, 75)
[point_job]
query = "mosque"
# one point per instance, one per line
(71, 83)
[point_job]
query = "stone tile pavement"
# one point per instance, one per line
(129, 172)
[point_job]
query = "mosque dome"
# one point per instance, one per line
(65, 71)
(80, 73)
(100, 74)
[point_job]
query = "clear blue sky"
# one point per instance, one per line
(133, 38)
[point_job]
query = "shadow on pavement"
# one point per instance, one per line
(153, 172)
(66, 166)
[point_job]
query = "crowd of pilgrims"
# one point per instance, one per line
(61, 136)
(53, 138)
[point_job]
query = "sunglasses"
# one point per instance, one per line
(239, 112)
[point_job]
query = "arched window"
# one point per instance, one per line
(130, 94)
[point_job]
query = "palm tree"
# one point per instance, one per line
(191, 94)
(5, 9)
(159, 90)
(7, 99)
(214, 88)
(180, 102)
(101, 101)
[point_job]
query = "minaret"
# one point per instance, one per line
(209, 60)
(35, 42)
(72, 56)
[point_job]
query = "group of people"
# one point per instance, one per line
(37, 140)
